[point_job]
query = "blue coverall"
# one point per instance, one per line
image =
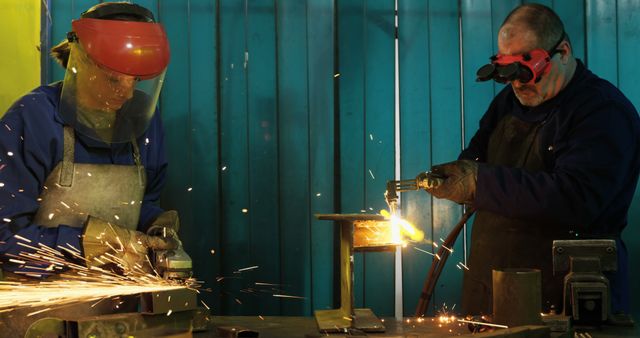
(31, 145)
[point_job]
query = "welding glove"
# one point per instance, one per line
(166, 225)
(459, 184)
(106, 244)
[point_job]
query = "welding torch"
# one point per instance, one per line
(424, 180)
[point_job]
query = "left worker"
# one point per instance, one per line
(82, 160)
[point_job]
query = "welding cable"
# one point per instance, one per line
(438, 263)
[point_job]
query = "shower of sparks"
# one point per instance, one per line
(371, 173)
(427, 252)
(462, 265)
(448, 249)
(74, 282)
(245, 210)
(247, 268)
(288, 296)
(189, 189)
(336, 74)
(482, 323)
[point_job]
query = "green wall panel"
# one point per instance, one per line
(352, 136)
(293, 137)
(446, 135)
(602, 39)
(320, 56)
(378, 59)
(415, 124)
(574, 25)
(235, 245)
(202, 233)
(263, 151)
(628, 22)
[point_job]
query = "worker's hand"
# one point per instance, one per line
(459, 184)
(109, 245)
(166, 226)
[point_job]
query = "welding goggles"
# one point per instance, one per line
(528, 68)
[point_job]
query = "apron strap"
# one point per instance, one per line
(68, 158)
(137, 160)
(66, 172)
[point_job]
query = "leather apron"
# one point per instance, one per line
(73, 191)
(499, 242)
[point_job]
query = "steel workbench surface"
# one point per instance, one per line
(283, 327)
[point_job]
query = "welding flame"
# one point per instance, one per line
(402, 228)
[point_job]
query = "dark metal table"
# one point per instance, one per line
(283, 327)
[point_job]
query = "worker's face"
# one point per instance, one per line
(104, 90)
(513, 40)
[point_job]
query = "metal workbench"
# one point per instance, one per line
(284, 327)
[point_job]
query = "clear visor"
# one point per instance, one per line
(105, 105)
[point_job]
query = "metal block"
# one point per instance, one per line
(172, 300)
(135, 324)
(557, 323)
(603, 249)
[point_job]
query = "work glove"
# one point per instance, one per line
(166, 225)
(459, 181)
(109, 245)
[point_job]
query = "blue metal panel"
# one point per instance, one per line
(202, 234)
(379, 101)
(263, 152)
(320, 53)
(234, 152)
(351, 81)
(602, 39)
(293, 126)
(446, 137)
(415, 150)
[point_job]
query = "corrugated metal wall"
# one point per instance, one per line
(278, 110)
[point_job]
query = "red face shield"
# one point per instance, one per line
(139, 49)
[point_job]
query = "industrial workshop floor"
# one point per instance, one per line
(282, 327)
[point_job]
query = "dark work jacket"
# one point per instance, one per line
(31, 144)
(590, 145)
